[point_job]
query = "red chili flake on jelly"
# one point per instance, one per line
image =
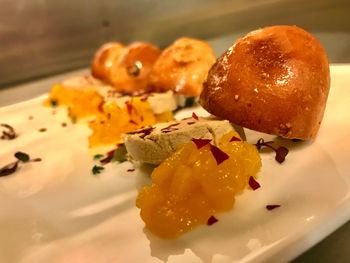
(253, 183)
(212, 220)
(130, 170)
(218, 154)
(271, 207)
(133, 122)
(235, 139)
(129, 107)
(194, 116)
(200, 142)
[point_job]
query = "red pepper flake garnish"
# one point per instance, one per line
(133, 122)
(218, 154)
(253, 183)
(194, 116)
(42, 130)
(167, 131)
(191, 122)
(200, 142)
(129, 107)
(212, 220)
(130, 170)
(271, 207)
(108, 158)
(9, 133)
(235, 139)
(118, 154)
(170, 126)
(142, 119)
(63, 124)
(281, 151)
(144, 132)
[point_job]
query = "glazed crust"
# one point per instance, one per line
(274, 80)
(182, 67)
(130, 72)
(104, 59)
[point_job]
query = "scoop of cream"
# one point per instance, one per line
(154, 144)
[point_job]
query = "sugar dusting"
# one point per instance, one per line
(222, 75)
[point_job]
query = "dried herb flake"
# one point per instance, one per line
(281, 151)
(9, 169)
(9, 133)
(98, 156)
(97, 169)
(271, 207)
(23, 157)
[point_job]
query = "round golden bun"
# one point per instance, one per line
(274, 80)
(130, 72)
(104, 59)
(182, 67)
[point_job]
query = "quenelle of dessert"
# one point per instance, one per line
(156, 143)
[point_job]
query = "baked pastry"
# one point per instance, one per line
(104, 59)
(274, 80)
(182, 67)
(129, 73)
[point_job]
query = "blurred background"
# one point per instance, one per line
(39, 38)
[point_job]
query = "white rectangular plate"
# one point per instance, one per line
(57, 211)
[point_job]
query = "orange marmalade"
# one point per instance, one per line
(196, 182)
(115, 121)
(81, 102)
